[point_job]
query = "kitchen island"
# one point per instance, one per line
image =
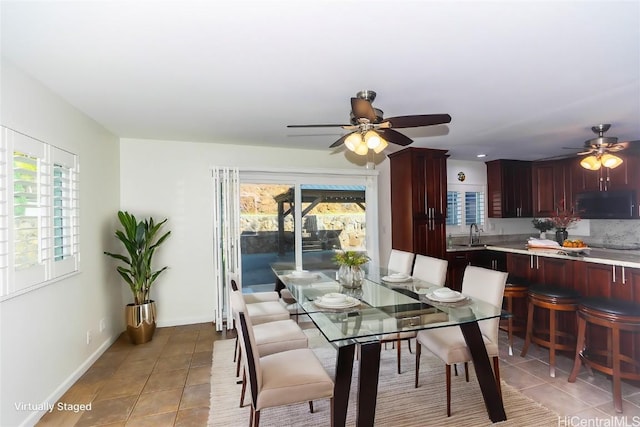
(598, 272)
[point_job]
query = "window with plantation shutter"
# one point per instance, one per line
(38, 214)
(465, 206)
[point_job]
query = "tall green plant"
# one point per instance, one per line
(140, 239)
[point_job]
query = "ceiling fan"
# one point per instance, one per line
(369, 130)
(599, 150)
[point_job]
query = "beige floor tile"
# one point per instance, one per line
(158, 420)
(199, 375)
(195, 396)
(202, 358)
(555, 399)
(166, 380)
(122, 386)
(135, 367)
(173, 363)
(184, 337)
(157, 403)
(108, 411)
(177, 349)
(194, 417)
(629, 410)
(519, 378)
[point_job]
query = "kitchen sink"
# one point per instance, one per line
(471, 245)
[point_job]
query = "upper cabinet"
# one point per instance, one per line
(509, 188)
(551, 185)
(624, 177)
(419, 201)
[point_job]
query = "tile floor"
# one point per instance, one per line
(166, 383)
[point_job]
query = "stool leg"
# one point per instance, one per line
(577, 363)
(553, 315)
(527, 339)
(617, 389)
(510, 324)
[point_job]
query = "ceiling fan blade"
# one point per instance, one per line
(340, 141)
(582, 153)
(418, 120)
(318, 126)
(395, 137)
(362, 108)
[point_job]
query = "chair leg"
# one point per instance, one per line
(311, 406)
(496, 372)
(418, 351)
(447, 375)
(235, 351)
(251, 417)
(617, 374)
(527, 339)
(577, 362)
(399, 350)
(553, 317)
(466, 371)
(238, 360)
(510, 324)
(256, 419)
(331, 411)
(409, 345)
(244, 388)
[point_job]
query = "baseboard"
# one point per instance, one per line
(34, 417)
(184, 321)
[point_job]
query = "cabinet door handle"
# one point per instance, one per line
(531, 261)
(537, 262)
(614, 273)
(624, 281)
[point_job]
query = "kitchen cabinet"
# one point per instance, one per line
(459, 260)
(493, 260)
(509, 188)
(624, 177)
(419, 201)
(551, 184)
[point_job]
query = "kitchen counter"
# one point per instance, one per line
(619, 257)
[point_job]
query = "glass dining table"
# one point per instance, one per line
(384, 304)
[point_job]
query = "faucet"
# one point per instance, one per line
(474, 238)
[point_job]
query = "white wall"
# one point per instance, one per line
(43, 346)
(172, 179)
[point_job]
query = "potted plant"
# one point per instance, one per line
(350, 273)
(562, 218)
(140, 240)
(542, 225)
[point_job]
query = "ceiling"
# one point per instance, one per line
(521, 79)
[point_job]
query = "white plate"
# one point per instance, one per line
(574, 249)
(348, 303)
(397, 279)
(458, 297)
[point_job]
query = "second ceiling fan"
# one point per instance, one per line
(369, 130)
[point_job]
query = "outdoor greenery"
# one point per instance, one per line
(140, 239)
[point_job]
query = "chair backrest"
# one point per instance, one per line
(430, 269)
(486, 285)
(247, 340)
(400, 261)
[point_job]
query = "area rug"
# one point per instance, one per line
(399, 403)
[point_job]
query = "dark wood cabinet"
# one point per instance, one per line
(457, 262)
(509, 188)
(419, 201)
(493, 260)
(624, 177)
(551, 184)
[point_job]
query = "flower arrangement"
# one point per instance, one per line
(351, 258)
(542, 225)
(563, 217)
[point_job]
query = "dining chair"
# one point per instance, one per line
(283, 378)
(431, 270)
(400, 261)
(262, 307)
(448, 343)
(271, 337)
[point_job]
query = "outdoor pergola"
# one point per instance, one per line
(315, 194)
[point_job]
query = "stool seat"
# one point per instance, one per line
(556, 300)
(513, 280)
(618, 317)
(611, 306)
(553, 291)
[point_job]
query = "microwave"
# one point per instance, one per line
(620, 204)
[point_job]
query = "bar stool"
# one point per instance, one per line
(556, 300)
(517, 288)
(617, 316)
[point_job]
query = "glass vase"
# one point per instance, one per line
(350, 276)
(561, 235)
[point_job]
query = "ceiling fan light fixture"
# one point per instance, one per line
(352, 142)
(383, 144)
(362, 149)
(373, 139)
(591, 163)
(610, 161)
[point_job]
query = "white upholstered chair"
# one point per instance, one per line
(305, 379)
(448, 343)
(271, 337)
(263, 307)
(400, 261)
(431, 270)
